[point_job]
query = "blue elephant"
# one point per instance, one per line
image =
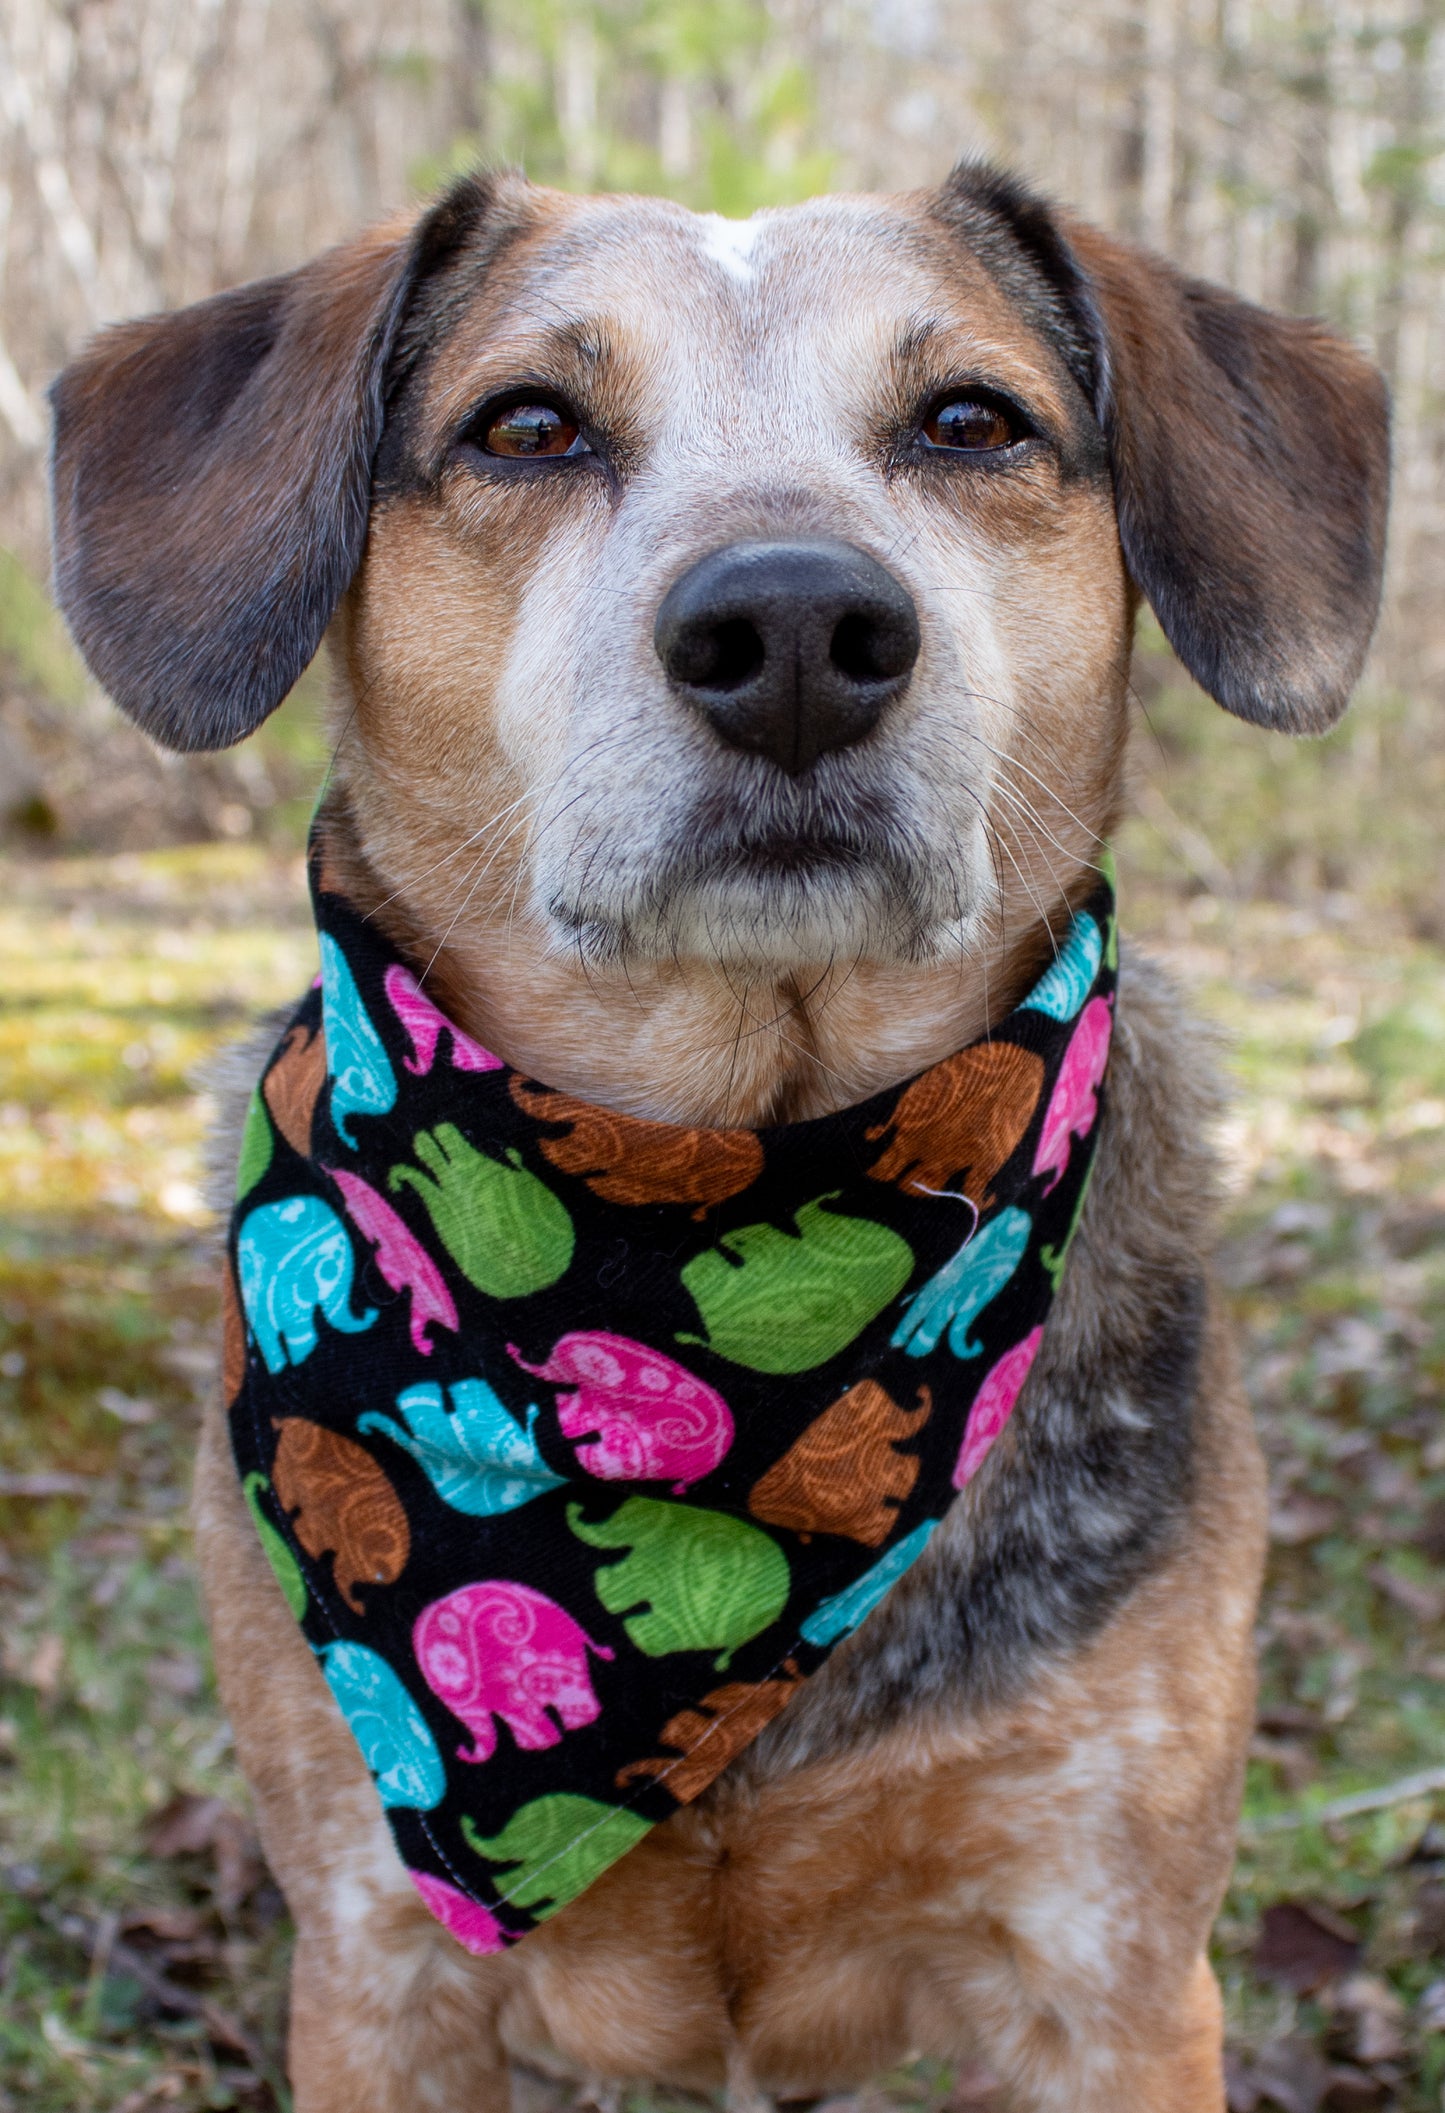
(842, 1613)
(476, 1456)
(394, 1737)
(1063, 987)
(956, 1295)
(362, 1079)
(295, 1260)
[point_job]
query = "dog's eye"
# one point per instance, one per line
(970, 424)
(531, 429)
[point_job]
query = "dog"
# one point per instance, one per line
(731, 631)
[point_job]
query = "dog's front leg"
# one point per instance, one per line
(1162, 2053)
(380, 2025)
(388, 2014)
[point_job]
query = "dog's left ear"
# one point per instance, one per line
(1250, 453)
(211, 477)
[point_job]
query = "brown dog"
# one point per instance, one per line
(480, 451)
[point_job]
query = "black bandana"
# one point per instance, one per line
(577, 1441)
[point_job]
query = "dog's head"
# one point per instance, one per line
(754, 596)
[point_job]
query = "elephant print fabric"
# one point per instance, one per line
(636, 1414)
(577, 1442)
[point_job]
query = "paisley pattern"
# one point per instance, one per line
(575, 1442)
(951, 1301)
(625, 1160)
(633, 1413)
(292, 1086)
(692, 1580)
(845, 1474)
(296, 1266)
(557, 1846)
(961, 1121)
(1061, 991)
(784, 1301)
(362, 1079)
(475, 1454)
(425, 1025)
(504, 1229)
(340, 1504)
(395, 1740)
(1075, 1100)
(400, 1257)
(993, 1405)
(503, 1650)
(841, 1615)
(705, 1739)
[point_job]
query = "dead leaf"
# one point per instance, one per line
(1288, 2076)
(195, 1826)
(1426, 1603)
(128, 1408)
(1303, 1518)
(48, 1484)
(185, 1826)
(1296, 1765)
(1355, 2091)
(1428, 1922)
(1303, 1945)
(47, 1662)
(1430, 2010)
(169, 1925)
(1240, 2094)
(176, 1673)
(1373, 2017)
(1281, 1718)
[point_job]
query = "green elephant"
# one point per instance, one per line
(559, 1844)
(698, 1580)
(503, 1228)
(784, 1302)
(257, 1147)
(278, 1553)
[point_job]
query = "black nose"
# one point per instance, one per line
(789, 649)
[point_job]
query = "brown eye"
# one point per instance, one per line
(531, 430)
(970, 424)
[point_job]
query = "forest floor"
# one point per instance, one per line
(142, 1943)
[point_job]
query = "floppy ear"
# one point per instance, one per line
(1250, 455)
(212, 475)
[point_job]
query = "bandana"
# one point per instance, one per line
(577, 1441)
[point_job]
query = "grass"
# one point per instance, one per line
(143, 1944)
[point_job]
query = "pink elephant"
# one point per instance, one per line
(993, 1405)
(502, 1650)
(400, 1257)
(1075, 1100)
(475, 1928)
(426, 1022)
(645, 1417)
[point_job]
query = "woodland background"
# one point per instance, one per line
(153, 150)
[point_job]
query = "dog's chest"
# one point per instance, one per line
(794, 1929)
(845, 1917)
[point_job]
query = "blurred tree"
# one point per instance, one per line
(703, 99)
(151, 150)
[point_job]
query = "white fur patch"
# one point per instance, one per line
(730, 243)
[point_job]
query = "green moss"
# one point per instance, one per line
(33, 637)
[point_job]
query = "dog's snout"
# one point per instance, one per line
(789, 649)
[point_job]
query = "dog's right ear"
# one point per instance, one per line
(211, 478)
(1250, 453)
